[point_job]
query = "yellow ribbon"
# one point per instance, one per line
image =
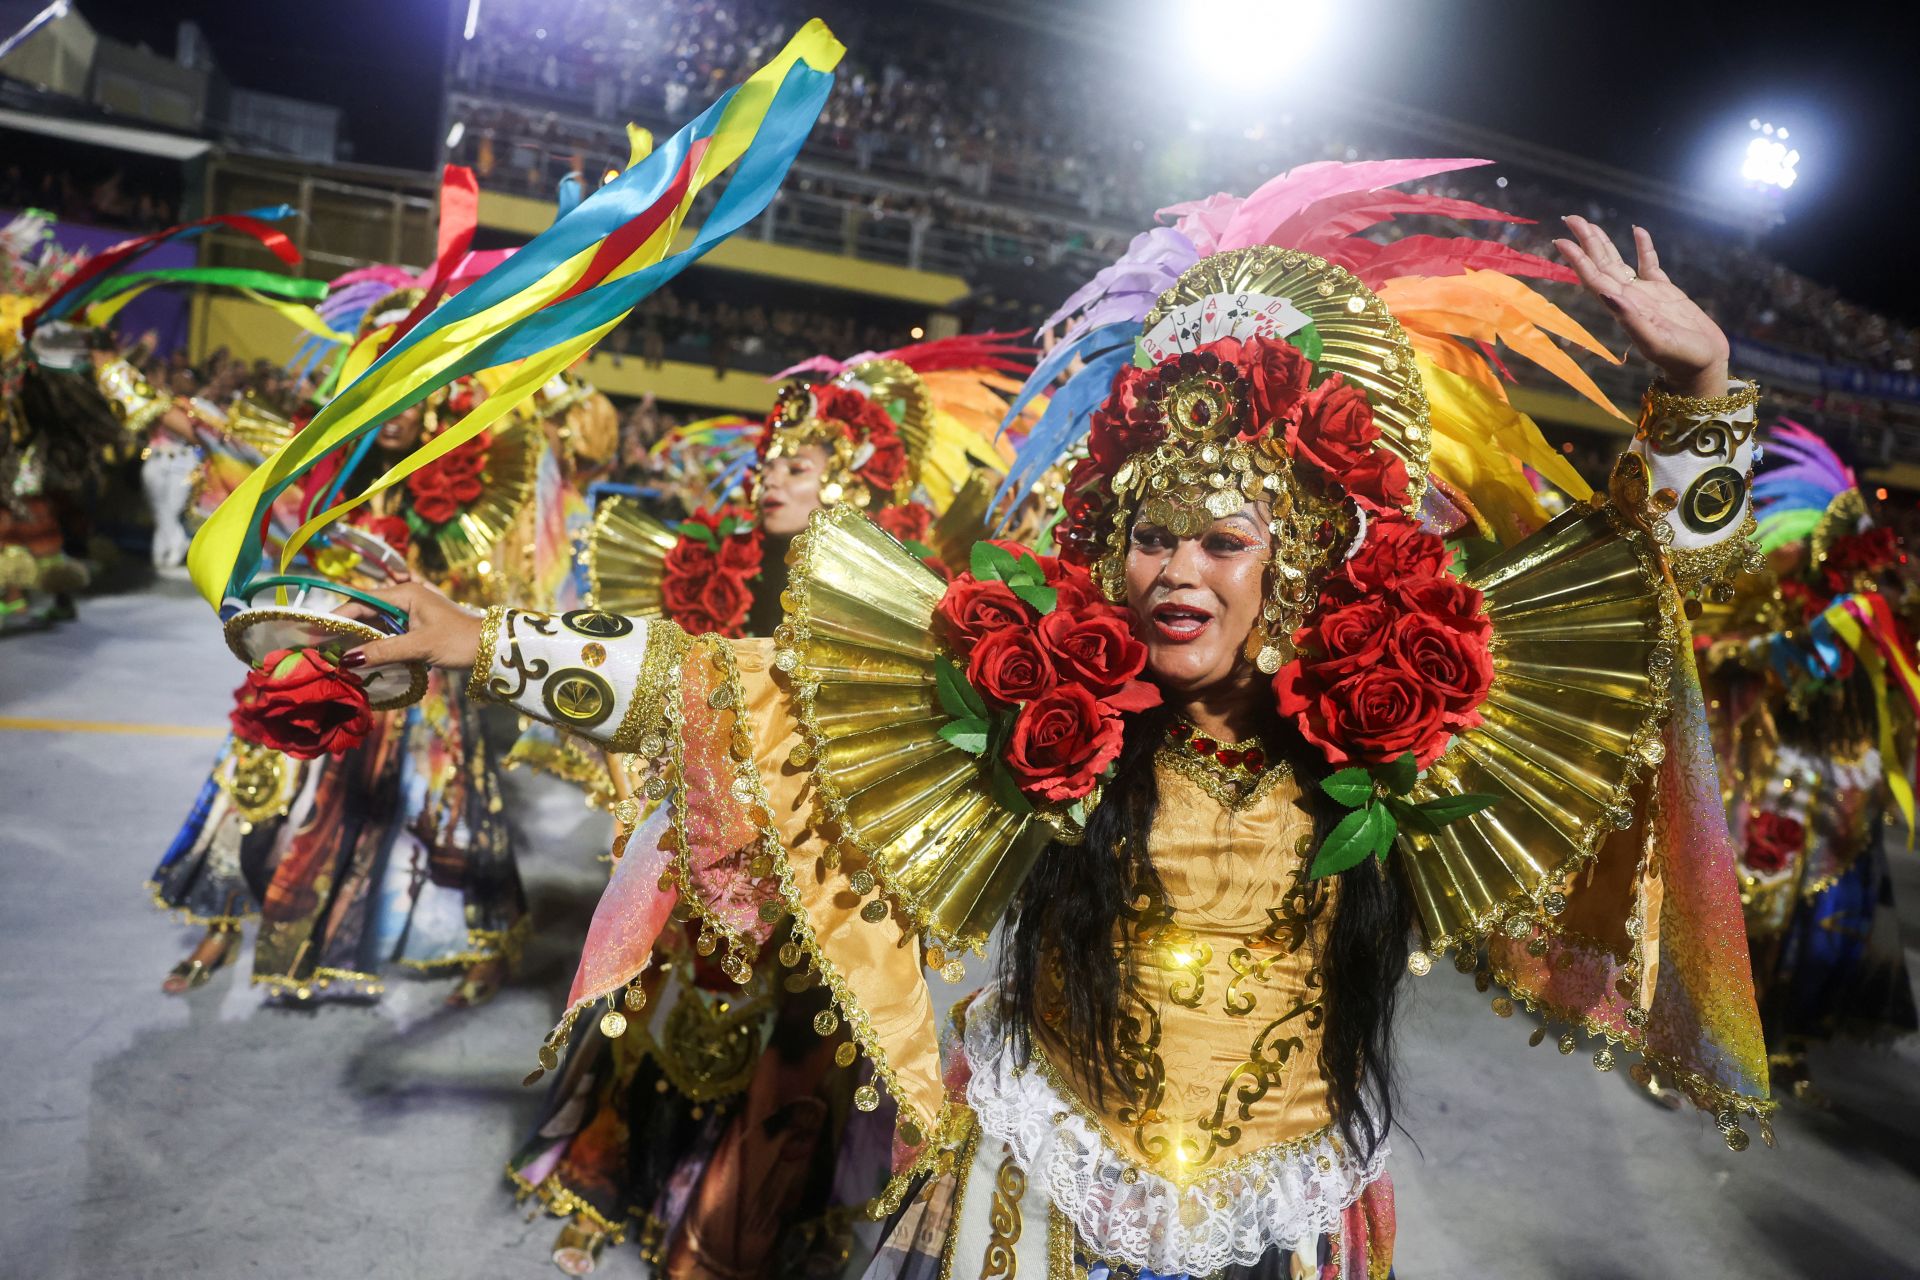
(1867, 653)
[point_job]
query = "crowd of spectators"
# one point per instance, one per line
(752, 338)
(1007, 137)
(105, 200)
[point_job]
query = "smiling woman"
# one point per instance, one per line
(1213, 759)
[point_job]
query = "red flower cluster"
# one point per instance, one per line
(1396, 657)
(708, 578)
(1065, 676)
(867, 425)
(300, 703)
(1773, 839)
(442, 490)
(1856, 553)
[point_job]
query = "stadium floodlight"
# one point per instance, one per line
(1252, 43)
(473, 19)
(456, 133)
(1769, 162)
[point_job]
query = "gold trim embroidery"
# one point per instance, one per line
(483, 660)
(1002, 1259)
(962, 1170)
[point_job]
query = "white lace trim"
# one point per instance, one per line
(1279, 1196)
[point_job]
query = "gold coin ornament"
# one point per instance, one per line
(866, 1097)
(613, 1024)
(844, 1056)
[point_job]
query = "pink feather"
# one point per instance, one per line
(1279, 198)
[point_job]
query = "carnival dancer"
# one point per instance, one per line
(1217, 756)
(1812, 692)
(718, 1119)
(389, 851)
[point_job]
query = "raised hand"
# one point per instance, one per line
(1667, 326)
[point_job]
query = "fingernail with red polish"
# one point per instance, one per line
(354, 659)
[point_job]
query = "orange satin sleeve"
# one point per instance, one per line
(873, 969)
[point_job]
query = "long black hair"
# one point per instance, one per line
(1062, 934)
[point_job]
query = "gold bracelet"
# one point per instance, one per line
(1705, 426)
(483, 660)
(1666, 403)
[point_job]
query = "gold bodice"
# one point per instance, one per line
(1221, 1040)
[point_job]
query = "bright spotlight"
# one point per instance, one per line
(473, 19)
(1769, 161)
(1251, 43)
(456, 133)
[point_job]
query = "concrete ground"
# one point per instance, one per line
(142, 1136)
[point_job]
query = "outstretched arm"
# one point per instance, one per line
(579, 671)
(1689, 472)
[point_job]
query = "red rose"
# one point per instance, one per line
(1096, 648)
(1379, 482)
(391, 530)
(887, 466)
(1274, 370)
(1457, 665)
(727, 599)
(740, 553)
(909, 522)
(974, 610)
(1062, 743)
(1332, 429)
(1446, 598)
(1125, 424)
(1395, 549)
(299, 703)
(431, 498)
(1342, 639)
(1371, 717)
(1010, 666)
(1773, 841)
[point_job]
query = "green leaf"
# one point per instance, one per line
(1348, 845)
(1007, 792)
(286, 664)
(1042, 598)
(1381, 829)
(957, 698)
(1078, 812)
(969, 734)
(1307, 340)
(1408, 815)
(1399, 775)
(990, 563)
(1453, 808)
(1026, 571)
(698, 533)
(920, 549)
(1350, 787)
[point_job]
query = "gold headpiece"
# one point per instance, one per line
(1203, 454)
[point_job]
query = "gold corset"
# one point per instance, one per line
(1222, 1042)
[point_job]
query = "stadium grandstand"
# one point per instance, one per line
(915, 209)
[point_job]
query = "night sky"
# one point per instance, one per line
(1644, 86)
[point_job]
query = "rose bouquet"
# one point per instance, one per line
(1042, 669)
(709, 573)
(302, 703)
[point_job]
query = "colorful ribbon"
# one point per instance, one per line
(1865, 625)
(81, 285)
(550, 301)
